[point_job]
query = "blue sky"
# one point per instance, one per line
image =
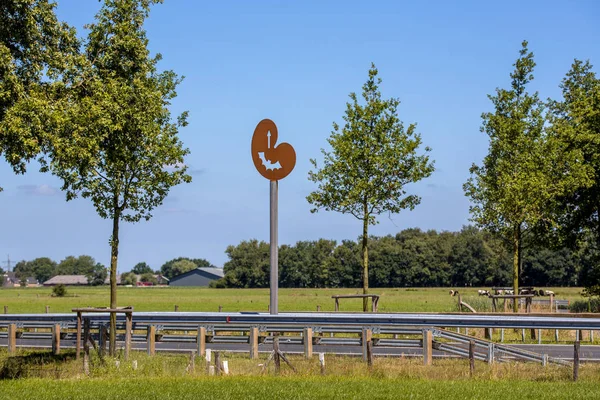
(296, 63)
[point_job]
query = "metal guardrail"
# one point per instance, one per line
(391, 320)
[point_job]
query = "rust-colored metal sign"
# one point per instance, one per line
(272, 162)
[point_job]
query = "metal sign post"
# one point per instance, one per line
(274, 283)
(274, 163)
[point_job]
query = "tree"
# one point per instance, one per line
(149, 278)
(34, 49)
(120, 147)
(97, 275)
(41, 268)
(141, 268)
(372, 158)
(248, 265)
(576, 124)
(82, 265)
(128, 278)
(167, 271)
(182, 266)
(512, 191)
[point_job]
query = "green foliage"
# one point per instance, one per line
(248, 265)
(35, 49)
(41, 268)
(128, 278)
(59, 290)
(576, 126)
(97, 275)
(149, 277)
(372, 158)
(584, 306)
(513, 191)
(82, 265)
(167, 269)
(141, 268)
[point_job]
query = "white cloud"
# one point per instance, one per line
(38, 190)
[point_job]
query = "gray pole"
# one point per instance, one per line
(274, 253)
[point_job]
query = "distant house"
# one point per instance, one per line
(197, 277)
(11, 280)
(67, 280)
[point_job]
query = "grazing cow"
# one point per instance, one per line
(509, 292)
(548, 293)
(499, 291)
(483, 292)
(452, 292)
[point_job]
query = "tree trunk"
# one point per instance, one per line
(365, 254)
(516, 264)
(114, 254)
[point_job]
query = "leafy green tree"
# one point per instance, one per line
(141, 268)
(97, 275)
(182, 266)
(82, 265)
(149, 277)
(120, 146)
(248, 265)
(35, 49)
(344, 266)
(372, 158)
(575, 122)
(166, 269)
(128, 278)
(41, 268)
(512, 191)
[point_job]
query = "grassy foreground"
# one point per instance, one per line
(35, 300)
(39, 375)
(295, 388)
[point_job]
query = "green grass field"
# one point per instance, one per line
(35, 300)
(169, 377)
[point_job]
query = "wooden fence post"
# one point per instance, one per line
(576, 361)
(151, 339)
(102, 333)
(176, 308)
(308, 342)
(56, 339)
(370, 353)
(427, 347)
(254, 342)
(201, 341)
(5, 309)
(47, 309)
(367, 335)
(12, 339)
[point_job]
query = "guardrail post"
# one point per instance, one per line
(78, 336)
(151, 339)
(56, 339)
(308, 345)
(556, 335)
(539, 332)
(471, 358)
(490, 359)
(576, 361)
(488, 333)
(201, 341)
(427, 347)
(254, 342)
(502, 335)
(367, 335)
(12, 339)
(128, 333)
(591, 336)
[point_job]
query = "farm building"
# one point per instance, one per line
(68, 280)
(197, 277)
(11, 280)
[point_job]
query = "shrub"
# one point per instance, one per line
(582, 306)
(59, 290)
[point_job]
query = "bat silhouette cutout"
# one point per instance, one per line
(272, 161)
(267, 163)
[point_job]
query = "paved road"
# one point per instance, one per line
(562, 351)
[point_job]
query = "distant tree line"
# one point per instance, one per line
(413, 257)
(43, 268)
